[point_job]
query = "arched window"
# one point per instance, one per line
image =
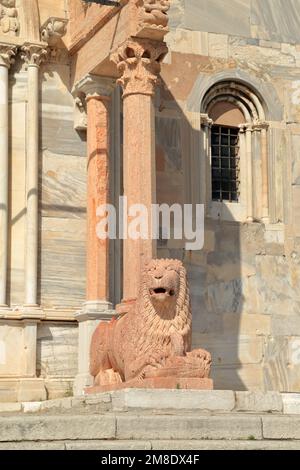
(233, 121)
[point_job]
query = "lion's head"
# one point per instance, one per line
(164, 284)
(164, 305)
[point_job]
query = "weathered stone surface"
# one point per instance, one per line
(214, 16)
(32, 445)
(259, 401)
(215, 400)
(291, 403)
(225, 445)
(33, 428)
(108, 445)
(10, 407)
(57, 350)
(178, 427)
(63, 262)
(282, 427)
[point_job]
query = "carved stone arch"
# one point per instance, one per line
(243, 96)
(29, 17)
(262, 90)
(231, 99)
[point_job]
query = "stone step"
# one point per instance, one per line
(155, 419)
(145, 427)
(152, 445)
(166, 400)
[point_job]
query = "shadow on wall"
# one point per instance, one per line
(221, 275)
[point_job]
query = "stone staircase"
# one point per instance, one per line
(155, 420)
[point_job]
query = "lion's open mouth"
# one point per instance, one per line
(157, 291)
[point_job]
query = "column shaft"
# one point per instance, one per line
(249, 174)
(33, 54)
(139, 183)
(97, 195)
(32, 180)
(3, 183)
(265, 175)
(138, 61)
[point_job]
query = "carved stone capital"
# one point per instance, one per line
(139, 62)
(7, 54)
(94, 86)
(206, 121)
(53, 30)
(33, 54)
(260, 125)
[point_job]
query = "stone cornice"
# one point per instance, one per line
(33, 54)
(138, 62)
(7, 54)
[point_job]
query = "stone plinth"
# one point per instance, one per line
(167, 383)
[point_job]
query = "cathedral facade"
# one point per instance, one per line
(173, 102)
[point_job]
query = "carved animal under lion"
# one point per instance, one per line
(151, 344)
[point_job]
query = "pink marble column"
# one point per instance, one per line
(138, 62)
(97, 92)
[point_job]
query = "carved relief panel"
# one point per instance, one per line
(9, 21)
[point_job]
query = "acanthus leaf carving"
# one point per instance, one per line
(7, 54)
(139, 62)
(33, 54)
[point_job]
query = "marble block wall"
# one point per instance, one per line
(57, 357)
(63, 195)
(245, 282)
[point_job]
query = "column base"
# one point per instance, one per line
(4, 307)
(32, 390)
(88, 318)
(14, 390)
(96, 310)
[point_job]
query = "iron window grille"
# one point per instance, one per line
(225, 163)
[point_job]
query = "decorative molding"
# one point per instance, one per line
(53, 30)
(7, 54)
(89, 86)
(139, 62)
(260, 125)
(9, 21)
(94, 85)
(33, 54)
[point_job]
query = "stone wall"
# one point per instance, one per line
(245, 281)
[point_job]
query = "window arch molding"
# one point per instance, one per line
(253, 201)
